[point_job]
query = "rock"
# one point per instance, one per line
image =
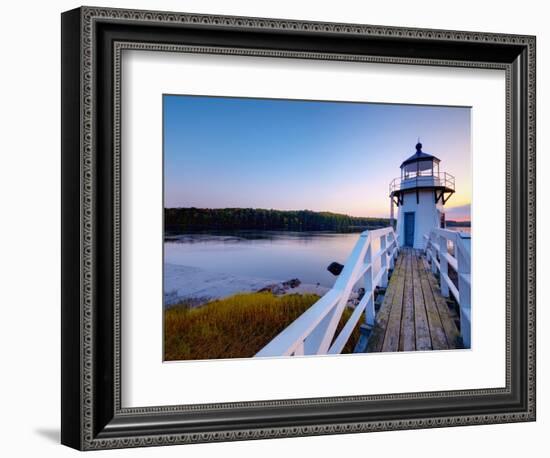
(292, 283)
(278, 289)
(270, 288)
(335, 268)
(281, 288)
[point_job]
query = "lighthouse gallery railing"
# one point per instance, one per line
(313, 332)
(423, 178)
(438, 242)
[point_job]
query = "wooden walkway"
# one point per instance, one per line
(413, 315)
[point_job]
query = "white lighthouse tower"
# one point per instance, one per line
(420, 194)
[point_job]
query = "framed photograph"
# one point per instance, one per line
(276, 228)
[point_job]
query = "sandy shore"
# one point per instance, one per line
(200, 286)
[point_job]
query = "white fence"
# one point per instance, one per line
(446, 248)
(312, 333)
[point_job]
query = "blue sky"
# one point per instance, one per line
(291, 154)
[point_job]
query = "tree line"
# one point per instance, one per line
(451, 223)
(207, 219)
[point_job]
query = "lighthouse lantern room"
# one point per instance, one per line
(420, 194)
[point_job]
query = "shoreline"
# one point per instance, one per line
(199, 286)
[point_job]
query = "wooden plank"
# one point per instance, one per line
(407, 341)
(437, 333)
(422, 328)
(451, 331)
(376, 339)
(393, 329)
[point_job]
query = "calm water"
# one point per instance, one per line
(267, 254)
(271, 255)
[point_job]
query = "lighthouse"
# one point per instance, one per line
(420, 194)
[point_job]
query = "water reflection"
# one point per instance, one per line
(263, 254)
(272, 255)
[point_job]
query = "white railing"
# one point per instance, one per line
(446, 248)
(422, 178)
(313, 332)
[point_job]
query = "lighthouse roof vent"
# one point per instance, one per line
(419, 156)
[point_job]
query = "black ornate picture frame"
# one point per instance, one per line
(92, 42)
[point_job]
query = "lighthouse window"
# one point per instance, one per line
(418, 168)
(410, 170)
(425, 167)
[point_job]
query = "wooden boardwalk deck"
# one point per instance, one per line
(413, 315)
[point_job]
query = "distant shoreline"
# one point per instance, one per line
(193, 219)
(198, 219)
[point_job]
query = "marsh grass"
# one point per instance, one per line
(234, 327)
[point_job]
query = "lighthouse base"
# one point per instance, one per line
(418, 214)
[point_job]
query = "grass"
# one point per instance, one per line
(235, 327)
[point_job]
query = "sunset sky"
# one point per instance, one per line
(293, 155)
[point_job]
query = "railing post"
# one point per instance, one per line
(433, 253)
(324, 333)
(369, 309)
(314, 341)
(392, 249)
(443, 266)
(428, 248)
(384, 261)
(299, 351)
(464, 288)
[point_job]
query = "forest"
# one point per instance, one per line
(179, 220)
